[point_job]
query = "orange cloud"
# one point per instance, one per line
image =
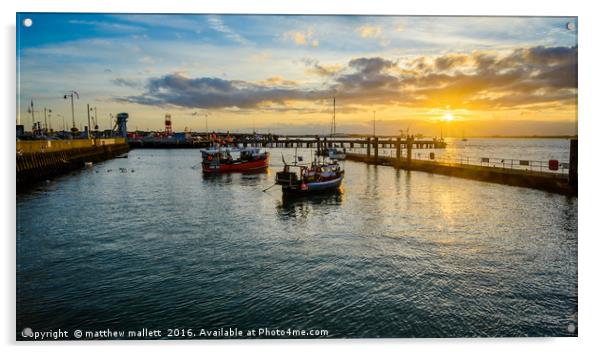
(525, 79)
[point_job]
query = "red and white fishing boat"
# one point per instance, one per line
(232, 159)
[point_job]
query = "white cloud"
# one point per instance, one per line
(187, 22)
(218, 25)
(107, 26)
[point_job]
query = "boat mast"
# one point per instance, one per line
(296, 156)
(334, 116)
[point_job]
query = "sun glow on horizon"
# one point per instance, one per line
(279, 73)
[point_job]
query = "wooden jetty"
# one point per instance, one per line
(275, 141)
(363, 142)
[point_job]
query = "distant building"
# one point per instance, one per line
(122, 129)
(181, 137)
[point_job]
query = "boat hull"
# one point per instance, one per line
(314, 187)
(246, 166)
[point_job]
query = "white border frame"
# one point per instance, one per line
(589, 128)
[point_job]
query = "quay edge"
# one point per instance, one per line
(44, 159)
(549, 182)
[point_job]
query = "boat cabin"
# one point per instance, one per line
(224, 155)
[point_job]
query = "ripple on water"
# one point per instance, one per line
(397, 254)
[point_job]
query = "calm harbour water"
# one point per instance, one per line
(396, 254)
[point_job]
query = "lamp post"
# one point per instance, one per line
(88, 130)
(46, 113)
(31, 110)
(95, 120)
(50, 120)
(70, 94)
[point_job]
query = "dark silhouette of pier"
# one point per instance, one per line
(537, 178)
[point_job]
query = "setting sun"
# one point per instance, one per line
(448, 117)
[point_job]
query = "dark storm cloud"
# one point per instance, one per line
(126, 82)
(314, 67)
(368, 74)
(479, 80)
(543, 56)
(450, 61)
(207, 92)
(524, 77)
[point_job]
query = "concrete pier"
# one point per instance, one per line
(39, 160)
(548, 181)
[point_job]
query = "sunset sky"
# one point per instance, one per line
(462, 75)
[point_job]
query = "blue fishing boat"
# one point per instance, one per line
(315, 178)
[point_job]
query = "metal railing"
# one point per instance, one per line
(505, 163)
(33, 146)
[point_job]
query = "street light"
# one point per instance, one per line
(88, 130)
(32, 111)
(70, 94)
(46, 115)
(95, 120)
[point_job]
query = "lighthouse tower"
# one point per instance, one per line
(122, 128)
(168, 130)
